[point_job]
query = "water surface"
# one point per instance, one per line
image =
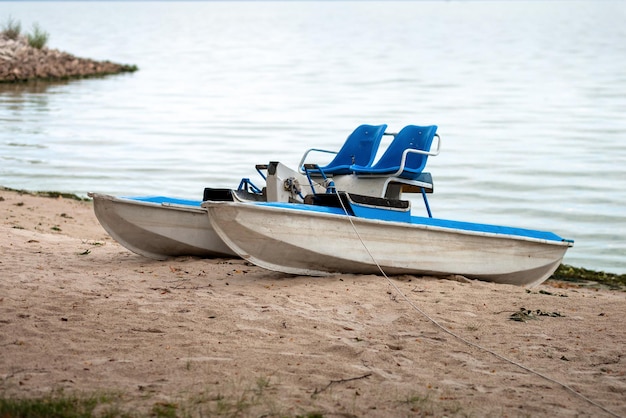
(529, 98)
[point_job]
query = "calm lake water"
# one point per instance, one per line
(529, 97)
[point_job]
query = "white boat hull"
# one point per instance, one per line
(312, 243)
(159, 231)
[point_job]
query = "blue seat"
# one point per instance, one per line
(360, 148)
(406, 155)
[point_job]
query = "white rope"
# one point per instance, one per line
(462, 339)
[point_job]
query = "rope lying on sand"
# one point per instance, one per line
(466, 341)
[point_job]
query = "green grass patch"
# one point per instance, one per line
(583, 276)
(250, 401)
(51, 194)
(38, 38)
(62, 406)
(12, 28)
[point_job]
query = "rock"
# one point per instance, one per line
(21, 62)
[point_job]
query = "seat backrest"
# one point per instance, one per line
(360, 147)
(413, 137)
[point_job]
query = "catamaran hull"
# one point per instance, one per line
(312, 243)
(159, 230)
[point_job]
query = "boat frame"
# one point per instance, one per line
(309, 239)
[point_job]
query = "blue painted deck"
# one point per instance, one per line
(164, 199)
(384, 215)
(380, 214)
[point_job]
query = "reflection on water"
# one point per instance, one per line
(20, 98)
(29, 88)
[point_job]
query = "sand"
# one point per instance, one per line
(80, 314)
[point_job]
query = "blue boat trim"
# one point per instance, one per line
(164, 199)
(487, 228)
(435, 222)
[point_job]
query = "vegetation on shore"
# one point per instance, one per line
(25, 57)
(585, 277)
(110, 405)
(51, 194)
(59, 405)
(12, 29)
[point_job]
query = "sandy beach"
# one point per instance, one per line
(80, 314)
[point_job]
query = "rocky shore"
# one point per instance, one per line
(21, 62)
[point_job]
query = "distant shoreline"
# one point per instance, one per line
(20, 62)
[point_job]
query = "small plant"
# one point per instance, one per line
(472, 327)
(262, 383)
(12, 28)
(164, 410)
(38, 38)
